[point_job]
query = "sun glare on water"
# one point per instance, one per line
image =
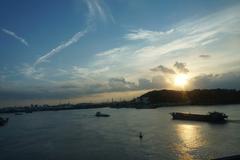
(181, 80)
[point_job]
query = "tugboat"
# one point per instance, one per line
(3, 121)
(99, 114)
(213, 117)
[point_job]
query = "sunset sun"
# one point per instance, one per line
(181, 80)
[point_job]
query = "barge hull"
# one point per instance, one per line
(213, 117)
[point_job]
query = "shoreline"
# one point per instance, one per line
(28, 109)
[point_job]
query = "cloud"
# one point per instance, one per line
(141, 34)
(160, 82)
(112, 51)
(59, 48)
(65, 89)
(120, 84)
(14, 35)
(157, 82)
(87, 73)
(32, 72)
(144, 84)
(131, 60)
(209, 41)
(177, 44)
(187, 35)
(95, 10)
(204, 56)
(181, 67)
(226, 80)
(163, 69)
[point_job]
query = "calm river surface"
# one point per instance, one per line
(79, 135)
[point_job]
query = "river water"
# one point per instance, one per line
(79, 135)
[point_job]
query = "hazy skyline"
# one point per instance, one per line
(93, 50)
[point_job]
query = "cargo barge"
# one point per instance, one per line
(213, 117)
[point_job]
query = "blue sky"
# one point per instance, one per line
(93, 50)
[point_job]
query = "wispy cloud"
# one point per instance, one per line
(91, 73)
(182, 42)
(209, 41)
(59, 48)
(141, 34)
(32, 72)
(112, 51)
(14, 35)
(95, 10)
(132, 60)
(179, 43)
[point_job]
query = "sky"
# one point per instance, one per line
(94, 50)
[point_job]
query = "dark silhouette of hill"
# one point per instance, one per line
(194, 97)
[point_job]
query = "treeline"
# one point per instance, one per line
(194, 97)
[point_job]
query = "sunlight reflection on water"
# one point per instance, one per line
(190, 138)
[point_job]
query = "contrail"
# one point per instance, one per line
(95, 9)
(14, 35)
(59, 48)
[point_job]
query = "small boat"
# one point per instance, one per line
(3, 121)
(213, 117)
(99, 114)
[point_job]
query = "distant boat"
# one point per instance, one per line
(99, 114)
(214, 117)
(3, 121)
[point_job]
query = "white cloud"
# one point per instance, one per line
(184, 42)
(186, 37)
(112, 51)
(132, 61)
(141, 34)
(14, 35)
(209, 41)
(32, 72)
(59, 48)
(95, 10)
(84, 75)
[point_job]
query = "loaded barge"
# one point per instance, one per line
(213, 117)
